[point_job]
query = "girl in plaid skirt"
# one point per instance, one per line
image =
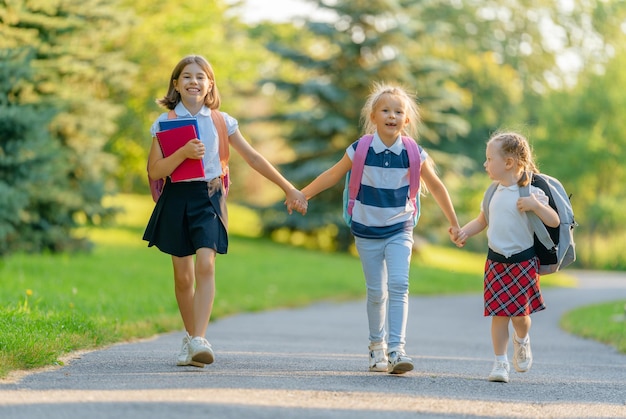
(511, 281)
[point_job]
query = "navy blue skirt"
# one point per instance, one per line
(189, 216)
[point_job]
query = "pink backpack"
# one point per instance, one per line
(156, 186)
(354, 176)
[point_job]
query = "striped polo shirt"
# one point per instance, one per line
(382, 207)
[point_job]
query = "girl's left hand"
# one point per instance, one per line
(296, 200)
(527, 203)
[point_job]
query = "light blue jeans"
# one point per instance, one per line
(386, 267)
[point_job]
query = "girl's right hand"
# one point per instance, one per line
(194, 149)
(458, 236)
(296, 201)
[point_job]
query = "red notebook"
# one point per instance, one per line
(171, 140)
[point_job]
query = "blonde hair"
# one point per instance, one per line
(212, 100)
(517, 146)
(410, 104)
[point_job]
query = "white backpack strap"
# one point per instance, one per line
(358, 162)
(535, 222)
(487, 199)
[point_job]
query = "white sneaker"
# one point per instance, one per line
(378, 358)
(201, 351)
(522, 355)
(500, 372)
(399, 363)
(184, 357)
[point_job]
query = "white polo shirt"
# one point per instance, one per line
(509, 231)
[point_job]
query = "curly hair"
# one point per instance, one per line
(517, 146)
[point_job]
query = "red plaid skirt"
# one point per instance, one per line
(512, 289)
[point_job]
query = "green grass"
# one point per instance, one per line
(604, 322)
(51, 305)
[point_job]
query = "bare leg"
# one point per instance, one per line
(499, 334)
(184, 289)
(521, 324)
(205, 290)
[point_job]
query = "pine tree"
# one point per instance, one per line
(32, 172)
(67, 95)
(371, 40)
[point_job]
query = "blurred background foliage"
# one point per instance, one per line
(80, 77)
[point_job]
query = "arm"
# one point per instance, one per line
(544, 211)
(160, 167)
(294, 198)
(470, 229)
(440, 193)
(328, 178)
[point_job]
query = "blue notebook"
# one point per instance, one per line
(178, 122)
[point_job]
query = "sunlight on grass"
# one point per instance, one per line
(605, 322)
(135, 209)
(449, 258)
(116, 236)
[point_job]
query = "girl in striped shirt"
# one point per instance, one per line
(383, 219)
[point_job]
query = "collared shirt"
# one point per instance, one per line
(383, 208)
(207, 134)
(509, 231)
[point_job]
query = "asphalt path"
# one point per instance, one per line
(312, 363)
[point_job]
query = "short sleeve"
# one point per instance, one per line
(231, 124)
(155, 125)
(540, 195)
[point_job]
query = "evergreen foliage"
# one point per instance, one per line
(33, 178)
(59, 118)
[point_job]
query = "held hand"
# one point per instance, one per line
(296, 200)
(194, 149)
(458, 236)
(453, 231)
(299, 206)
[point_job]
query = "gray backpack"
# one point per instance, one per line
(554, 246)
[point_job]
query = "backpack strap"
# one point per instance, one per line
(222, 133)
(536, 224)
(358, 162)
(487, 199)
(415, 166)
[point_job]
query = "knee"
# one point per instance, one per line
(376, 295)
(205, 263)
(205, 268)
(184, 281)
(399, 286)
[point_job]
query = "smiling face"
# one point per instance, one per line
(390, 118)
(193, 84)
